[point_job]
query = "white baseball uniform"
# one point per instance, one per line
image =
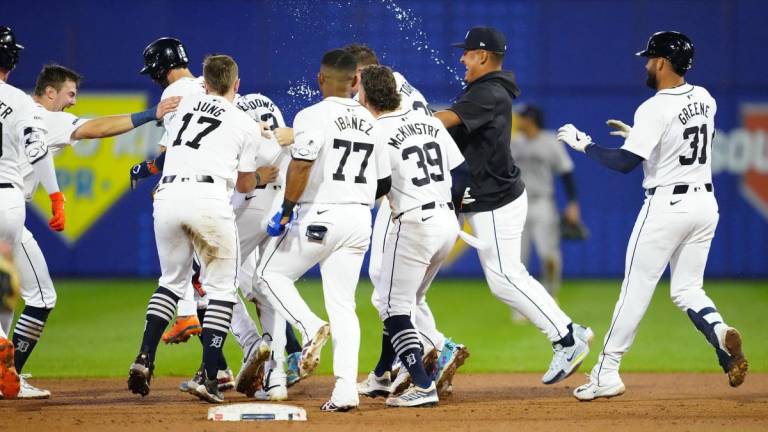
(185, 86)
(209, 141)
(23, 140)
(673, 132)
(424, 228)
(338, 135)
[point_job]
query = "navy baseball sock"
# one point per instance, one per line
(292, 344)
(218, 317)
(405, 341)
(28, 329)
(567, 341)
(387, 356)
(160, 311)
(201, 318)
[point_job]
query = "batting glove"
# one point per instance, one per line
(622, 129)
(141, 171)
(575, 138)
(58, 217)
(275, 227)
(467, 198)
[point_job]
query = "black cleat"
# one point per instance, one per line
(140, 374)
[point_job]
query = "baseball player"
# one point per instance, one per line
(540, 158)
(672, 137)
(450, 355)
(332, 181)
(23, 137)
(55, 90)
(480, 123)
(213, 150)
(422, 156)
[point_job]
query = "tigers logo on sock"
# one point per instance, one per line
(410, 359)
(217, 341)
(22, 346)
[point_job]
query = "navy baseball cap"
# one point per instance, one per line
(485, 38)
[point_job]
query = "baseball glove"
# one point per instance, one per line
(571, 231)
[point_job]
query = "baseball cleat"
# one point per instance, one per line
(274, 387)
(209, 391)
(310, 355)
(431, 365)
(584, 333)
(451, 358)
(140, 375)
(292, 368)
(330, 406)
(591, 391)
(9, 379)
(565, 361)
(183, 328)
(737, 365)
(226, 380)
(250, 377)
(374, 386)
(28, 391)
(197, 379)
(415, 396)
(401, 382)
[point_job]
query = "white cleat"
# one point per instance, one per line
(566, 360)
(374, 386)
(28, 391)
(274, 388)
(415, 396)
(591, 391)
(249, 378)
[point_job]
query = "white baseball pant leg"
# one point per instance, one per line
(36, 285)
(680, 234)
(507, 277)
(12, 214)
(340, 254)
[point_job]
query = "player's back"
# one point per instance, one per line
(185, 86)
(410, 97)
(421, 155)
(17, 116)
(209, 135)
(677, 149)
(338, 134)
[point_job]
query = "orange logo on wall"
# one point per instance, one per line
(755, 183)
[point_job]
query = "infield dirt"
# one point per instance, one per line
(502, 402)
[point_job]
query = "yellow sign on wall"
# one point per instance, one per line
(94, 174)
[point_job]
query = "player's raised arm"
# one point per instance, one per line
(103, 127)
(42, 162)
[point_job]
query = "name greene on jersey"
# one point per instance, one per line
(412, 129)
(692, 110)
(353, 122)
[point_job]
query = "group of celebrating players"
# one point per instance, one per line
(243, 201)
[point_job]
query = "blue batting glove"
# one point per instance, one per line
(141, 171)
(275, 228)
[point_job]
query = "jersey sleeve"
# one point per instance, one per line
(384, 157)
(647, 130)
(307, 136)
(453, 155)
(31, 128)
(60, 126)
(474, 108)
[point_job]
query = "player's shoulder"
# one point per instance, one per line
(16, 99)
(184, 87)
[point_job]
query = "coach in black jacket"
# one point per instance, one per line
(481, 123)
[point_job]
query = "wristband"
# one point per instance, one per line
(142, 117)
(288, 207)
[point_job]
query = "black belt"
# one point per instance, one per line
(198, 178)
(427, 206)
(680, 189)
(6, 185)
(264, 186)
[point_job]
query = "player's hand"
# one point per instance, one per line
(284, 136)
(266, 131)
(58, 217)
(622, 129)
(167, 105)
(142, 170)
(266, 174)
(575, 138)
(279, 223)
(572, 213)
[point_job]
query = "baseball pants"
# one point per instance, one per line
(422, 317)
(670, 229)
(197, 217)
(340, 255)
(12, 214)
(506, 275)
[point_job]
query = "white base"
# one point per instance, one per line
(256, 411)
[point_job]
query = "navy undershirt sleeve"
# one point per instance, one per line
(616, 159)
(460, 181)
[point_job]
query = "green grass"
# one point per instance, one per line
(97, 325)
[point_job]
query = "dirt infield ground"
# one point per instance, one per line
(510, 402)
